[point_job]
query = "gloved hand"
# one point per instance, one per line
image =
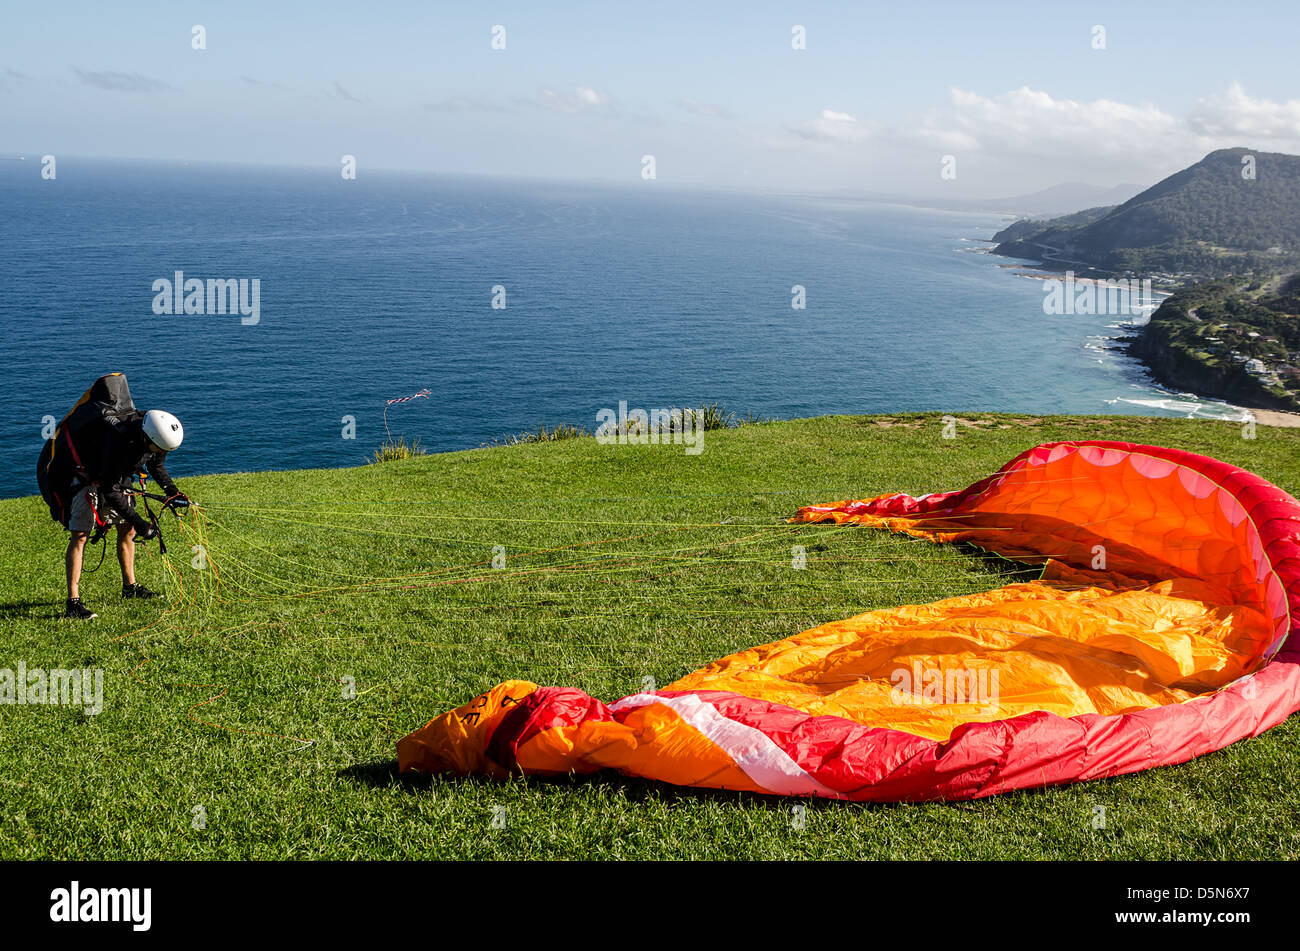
(179, 502)
(145, 534)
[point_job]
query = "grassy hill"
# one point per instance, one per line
(622, 563)
(1205, 220)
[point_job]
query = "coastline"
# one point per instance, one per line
(1125, 341)
(1275, 417)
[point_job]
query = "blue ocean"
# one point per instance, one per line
(383, 286)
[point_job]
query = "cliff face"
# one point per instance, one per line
(1177, 367)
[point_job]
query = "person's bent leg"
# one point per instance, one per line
(126, 559)
(126, 554)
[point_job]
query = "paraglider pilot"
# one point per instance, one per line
(111, 465)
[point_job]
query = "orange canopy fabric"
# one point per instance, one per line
(1069, 647)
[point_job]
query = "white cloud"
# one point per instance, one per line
(583, 99)
(1026, 121)
(1029, 122)
(832, 126)
(1237, 116)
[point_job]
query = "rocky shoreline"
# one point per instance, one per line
(1174, 368)
(1177, 378)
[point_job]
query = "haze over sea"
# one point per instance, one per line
(379, 287)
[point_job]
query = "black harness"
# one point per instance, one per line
(101, 531)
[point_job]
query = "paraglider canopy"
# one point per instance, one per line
(1160, 629)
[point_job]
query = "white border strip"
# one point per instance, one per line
(752, 750)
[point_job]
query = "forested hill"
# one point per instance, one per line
(1207, 220)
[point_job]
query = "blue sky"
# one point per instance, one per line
(715, 92)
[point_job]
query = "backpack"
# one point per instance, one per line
(59, 470)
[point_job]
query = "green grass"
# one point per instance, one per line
(711, 416)
(396, 448)
(544, 433)
(623, 562)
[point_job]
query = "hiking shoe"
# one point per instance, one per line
(138, 591)
(76, 611)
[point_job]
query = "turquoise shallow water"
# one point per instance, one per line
(380, 287)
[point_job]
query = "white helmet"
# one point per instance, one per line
(163, 429)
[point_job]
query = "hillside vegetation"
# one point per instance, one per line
(1232, 339)
(1207, 220)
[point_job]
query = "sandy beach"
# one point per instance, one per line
(1273, 417)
